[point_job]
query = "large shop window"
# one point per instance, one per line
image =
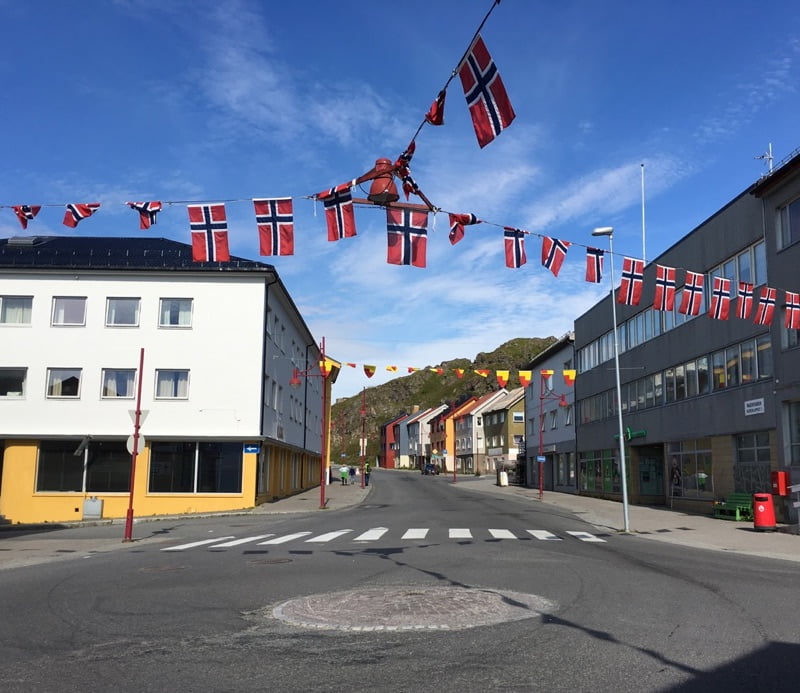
(58, 468)
(108, 466)
(187, 467)
(690, 469)
(751, 469)
(794, 432)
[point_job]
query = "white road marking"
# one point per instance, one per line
(328, 536)
(459, 534)
(372, 534)
(284, 539)
(237, 542)
(194, 544)
(502, 534)
(543, 534)
(585, 536)
(415, 534)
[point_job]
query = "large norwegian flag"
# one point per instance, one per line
(486, 96)
(594, 265)
(26, 213)
(339, 214)
(78, 211)
(275, 220)
(408, 237)
(554, 252)
(514, 240)
(209, 233)
(692, 297)
(720, 299)
(665, 288)
(630, 289)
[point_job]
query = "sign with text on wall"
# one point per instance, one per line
(252, 448)
(754, 406)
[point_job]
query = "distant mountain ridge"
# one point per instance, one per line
(425, 389)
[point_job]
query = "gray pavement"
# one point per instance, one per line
(27, 546)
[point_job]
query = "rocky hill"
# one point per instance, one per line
(424, 389)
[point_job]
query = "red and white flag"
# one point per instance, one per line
(514, 240)
(339, 214)
(209, 233)
(630, 289)
(720, 299)
(744, 303)
(766, 306)
(486, 96)
(275, 221)
(692, 297)
(435, 115)
(554, 252)
(665, 288)
(594, 265)
(792, 317)
(147, 212)
(457, 224)
(26, 213)
(408, 237)
(76, 212)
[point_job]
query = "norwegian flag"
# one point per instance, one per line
(76, 212)
(339, 213)
(403, 171)
(630, 289)
(514, 240)
(209, 233)
(435, 115)
(791, 318)
(408, 237)
(720, 299)
(554, 252)
(457, 224)
(594, 265)
(766, 306)
(147, 212)
(486, 96)
(744, 304)
(665, 288)
(26, 213)
(692, 297)
(275, 221)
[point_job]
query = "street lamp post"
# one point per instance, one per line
(363, 442)
(609, 231)
(545, 393)
(295, 382)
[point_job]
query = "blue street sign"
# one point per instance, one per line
(540, 458)
(249, 447)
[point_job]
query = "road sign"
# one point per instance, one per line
(252, 448)
(139, 447)
(142, 415)
(540, 458)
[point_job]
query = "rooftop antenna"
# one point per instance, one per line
(767, 156)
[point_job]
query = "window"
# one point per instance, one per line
(649, 392)
(789, 224)
(751, 469)
(691, 379)
(680, 382)
(748, 361)
(16, 310)
(175, 312)
(733, 365)
(122, 312)
(171, 467)
(764, 351)
(172, 384)
(219, 468)
(718, 369)
(702, 375)
(669, 385)
(64, 382)
(69, 310)
(743, 262)
(108, 466)
(12, 382)
(568, 415)
(118, 382)
(794, 432)
(519, 416)
(58, 468)
(760, 267)
(554, 419)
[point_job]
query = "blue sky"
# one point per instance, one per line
(233, 99)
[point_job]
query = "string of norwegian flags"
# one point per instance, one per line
(407, 223)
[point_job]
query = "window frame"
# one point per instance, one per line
(159, 372)
(23, 382)
(54, 311)
(107, 371)
(49, 383)
(175, 326)
(137, 311)
(25, 310)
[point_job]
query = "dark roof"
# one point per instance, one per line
(110, 253)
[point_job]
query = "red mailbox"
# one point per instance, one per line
(780, 483)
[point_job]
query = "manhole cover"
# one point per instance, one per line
(162, 568)
(402, 608)
(269, 561)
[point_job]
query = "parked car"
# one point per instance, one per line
(430, 469)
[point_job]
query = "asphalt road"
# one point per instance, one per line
(421, 588)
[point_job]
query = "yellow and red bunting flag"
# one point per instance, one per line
(459, 373)
(411, 369)
(546, 373)
(369, 371)
(352, 365)
(483, 372)
(436, 370)
(569, 377)
(502, 378)
(325, 367)
(525, 378)
(391, 369)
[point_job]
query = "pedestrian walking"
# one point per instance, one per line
(366, 474)
(352, 474)
(343, 472)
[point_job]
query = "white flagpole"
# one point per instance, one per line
(644, 255)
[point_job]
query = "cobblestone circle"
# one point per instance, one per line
(405, 608)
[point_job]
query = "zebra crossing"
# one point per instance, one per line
(376, 533)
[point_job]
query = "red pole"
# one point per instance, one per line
(541, 439)
(323, 467)
(135, 452)
(363, 431)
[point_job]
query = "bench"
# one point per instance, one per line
(737, 506)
